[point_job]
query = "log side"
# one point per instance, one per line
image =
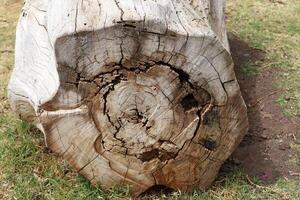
(136, 92)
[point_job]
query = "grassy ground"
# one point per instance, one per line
(273, 26)
(29, 171)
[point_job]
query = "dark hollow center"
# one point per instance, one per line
(189, 102)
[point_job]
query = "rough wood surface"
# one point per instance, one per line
(138, 92)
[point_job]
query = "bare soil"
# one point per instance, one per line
(266, 151)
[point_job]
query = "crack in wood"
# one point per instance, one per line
(155, 78)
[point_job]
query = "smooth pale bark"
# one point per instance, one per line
(136, 92)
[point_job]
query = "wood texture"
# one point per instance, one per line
(137, 92)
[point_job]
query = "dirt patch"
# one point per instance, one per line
(266, 150)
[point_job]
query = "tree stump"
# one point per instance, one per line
(136, 92)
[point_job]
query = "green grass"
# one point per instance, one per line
(249, 69)
(295, 160)
(29, 171)
(274, 27)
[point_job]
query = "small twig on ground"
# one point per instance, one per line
(6, 51)
(294, 173)
(255, 185)
(220, 181)
(277, 1)
(278, 192)
(261, 99)
(264, 187)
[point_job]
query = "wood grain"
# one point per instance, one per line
(137, 92)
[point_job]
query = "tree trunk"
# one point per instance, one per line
(136, 92)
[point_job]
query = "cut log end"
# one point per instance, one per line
(142, 102)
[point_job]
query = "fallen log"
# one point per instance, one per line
(135, 92)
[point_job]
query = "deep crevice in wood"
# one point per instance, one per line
(209, 144)
(189, 102)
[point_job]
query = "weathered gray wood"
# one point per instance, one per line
(137, 92)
